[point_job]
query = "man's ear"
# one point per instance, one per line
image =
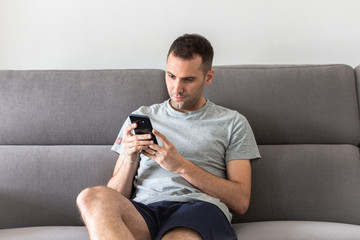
(209, 76)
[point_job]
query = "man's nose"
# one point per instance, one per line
(178, 88)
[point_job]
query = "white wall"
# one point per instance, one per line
(103, 34)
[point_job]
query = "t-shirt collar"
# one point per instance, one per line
(173, 112)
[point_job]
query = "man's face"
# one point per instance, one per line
(185, 83)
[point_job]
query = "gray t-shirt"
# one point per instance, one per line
(209, 137)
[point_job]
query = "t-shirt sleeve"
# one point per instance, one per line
(242, 142)
(118, 146)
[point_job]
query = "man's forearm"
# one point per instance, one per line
(122, 180)
(234, 194)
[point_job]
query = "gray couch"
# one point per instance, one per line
(57, 127)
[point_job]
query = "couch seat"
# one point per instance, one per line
(296, 230)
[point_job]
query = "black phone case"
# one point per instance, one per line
(143, 125)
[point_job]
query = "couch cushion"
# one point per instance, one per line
(39, 184)
(292, 104)
(45, 233)
(73, 107)
(296, 230)
(305, 182)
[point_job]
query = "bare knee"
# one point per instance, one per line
(90, 197)
(85, 197)
(99, 198)
(103, 205)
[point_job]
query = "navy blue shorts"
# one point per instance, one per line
(203, 217)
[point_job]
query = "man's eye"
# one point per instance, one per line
(171, 76)
(188, 79)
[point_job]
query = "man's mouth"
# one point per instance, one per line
(178, 98)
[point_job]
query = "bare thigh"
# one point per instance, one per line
(103, 208)
(182, 233)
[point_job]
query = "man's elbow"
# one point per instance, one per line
(242, 207)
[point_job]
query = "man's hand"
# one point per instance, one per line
(166, 155)
(133, 144)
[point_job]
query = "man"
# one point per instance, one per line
(183, 187)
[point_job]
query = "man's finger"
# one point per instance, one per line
(162, 138)
(140, 138)
(150, 152)
(129, 128)
(151, 156)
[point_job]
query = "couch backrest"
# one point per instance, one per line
(72, 107)
(306, 120)
(357, 74)
(292, 104)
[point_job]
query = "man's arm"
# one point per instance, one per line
(234, 191)
(126, 166)
(124, 173)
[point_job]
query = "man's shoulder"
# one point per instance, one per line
(221, 110)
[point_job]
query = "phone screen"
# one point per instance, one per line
(143, 125)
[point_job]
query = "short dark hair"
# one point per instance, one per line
(188, 45)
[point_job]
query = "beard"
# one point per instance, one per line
(180, 102)
(183, 103)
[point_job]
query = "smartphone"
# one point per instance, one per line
(143, 125)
